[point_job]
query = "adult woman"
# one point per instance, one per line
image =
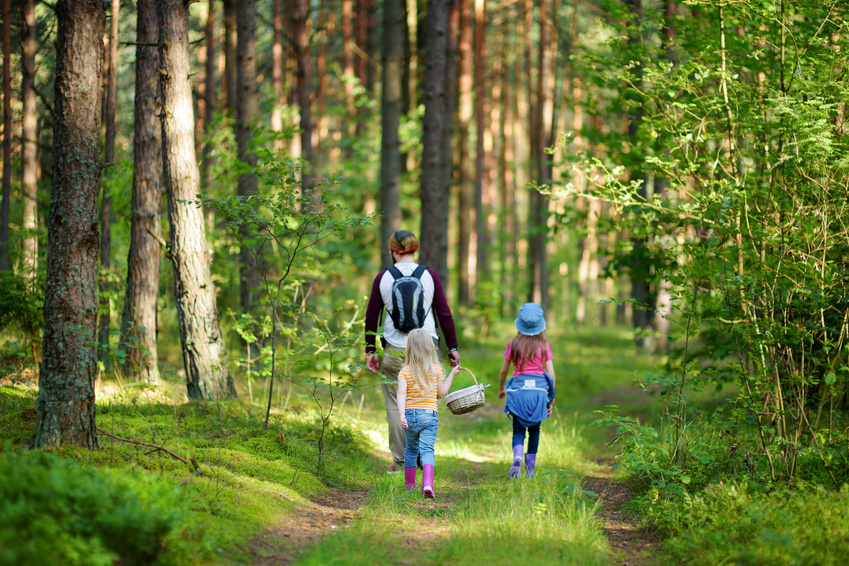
(402, 247)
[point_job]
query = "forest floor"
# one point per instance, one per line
(301, 531)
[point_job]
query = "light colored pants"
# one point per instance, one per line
(390, 366)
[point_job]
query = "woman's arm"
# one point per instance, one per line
(443, 386)
(502, 379)
(402, 399)
(549, 369)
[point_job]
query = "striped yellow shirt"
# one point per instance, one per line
(416, 398)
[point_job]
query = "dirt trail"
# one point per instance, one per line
(634, 544)
(329, 511)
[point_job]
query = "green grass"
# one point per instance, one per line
(250, 477)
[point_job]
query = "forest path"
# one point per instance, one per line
(634, 544)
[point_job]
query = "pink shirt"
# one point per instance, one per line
(534, 366)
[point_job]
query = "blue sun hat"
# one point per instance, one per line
(531, 321)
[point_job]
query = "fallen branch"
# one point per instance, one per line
(154, 446)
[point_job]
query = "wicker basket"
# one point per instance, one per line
(468, 399)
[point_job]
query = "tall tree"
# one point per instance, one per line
(7, 139)
(29, 142)
(209, 98)
(434, 193)
(230, 40)
(464, 176)
(390, 152)
(481, 90)
(641, 318)
(301, 44)
(247, 109)
(538, 212)
(111, 109)
(278, 66)
(204, 351)
(452, 95)
(138, 320)
(66, 407)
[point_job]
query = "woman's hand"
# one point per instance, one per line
(404, 422)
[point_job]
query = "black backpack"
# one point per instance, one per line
(408, 311)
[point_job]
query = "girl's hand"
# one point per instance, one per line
(405, 426)
(455, 370)
(502, 394)
(550, 410)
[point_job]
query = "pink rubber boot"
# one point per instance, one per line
(410, 478)
(427, 481)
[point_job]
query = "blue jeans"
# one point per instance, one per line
(422, 425)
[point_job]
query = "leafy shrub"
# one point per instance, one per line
(735, 523)
(55, 511)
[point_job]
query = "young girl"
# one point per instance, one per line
(530, 392)
(420, 383)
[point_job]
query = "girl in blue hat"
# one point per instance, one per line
(530, 392)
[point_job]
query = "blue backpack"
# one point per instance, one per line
(408, 311)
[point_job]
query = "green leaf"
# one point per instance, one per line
(830, 378)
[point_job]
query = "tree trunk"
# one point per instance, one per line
(464, 180)
(481, 90)
(390, 155)
(349, 70)
(5, 263)
(641, 317)
(452, 95)
(434, 194)
(204, 352)
(538, 220)
(138, 319)
(29, 165)
(301, 45)
(230, 40)
(105, 311)
(209, 91)
(278, 66)
(66, 406)
(247, 109)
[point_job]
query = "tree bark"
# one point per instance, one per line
(465, 187)
(452, 95)
(230, 40)
(538, 220)
(247, 109)
(66, 405)
(204, 352)
(29, 165)
(481, 90)
(348, 69)
(138, 319)
(105, 311)
(209, 91)
(390, 154)
(5, 207)
(278, 66)
(434, 194)
(641, 318)
(301, 44)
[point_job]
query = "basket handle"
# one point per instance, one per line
(470, 373)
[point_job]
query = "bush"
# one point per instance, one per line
(55, 511)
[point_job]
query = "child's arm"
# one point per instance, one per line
(402, 399)
(549, 369)
(502, 379)
(443, 386)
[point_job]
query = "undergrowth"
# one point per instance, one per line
(136, 504)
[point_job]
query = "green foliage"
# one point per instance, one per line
(733, 523)
(740, 117)
(57, 511)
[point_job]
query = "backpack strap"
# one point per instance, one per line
(394, 272)
(418, 272)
